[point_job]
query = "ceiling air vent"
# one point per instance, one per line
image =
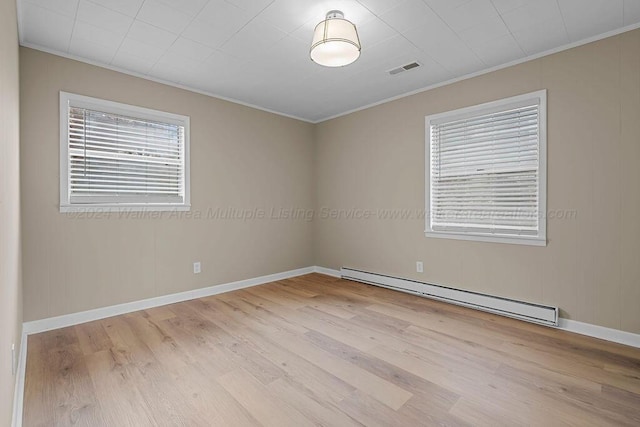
(404, 68)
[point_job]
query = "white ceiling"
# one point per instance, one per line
(256, 51)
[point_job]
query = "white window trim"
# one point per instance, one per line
(81, 101)
(541, 239)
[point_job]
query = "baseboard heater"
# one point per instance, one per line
(536, 313)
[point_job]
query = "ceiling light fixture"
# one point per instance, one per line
(335, 41)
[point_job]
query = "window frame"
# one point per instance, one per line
(70, 99)
(486, 108)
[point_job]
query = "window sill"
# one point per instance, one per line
(529, 241)
(123, 208)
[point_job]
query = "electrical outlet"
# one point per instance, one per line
(197, 267)
(14, 360)
(419, 267)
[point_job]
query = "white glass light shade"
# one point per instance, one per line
(335, 41)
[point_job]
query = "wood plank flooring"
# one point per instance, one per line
(315, 350)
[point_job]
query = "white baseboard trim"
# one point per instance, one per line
(18, 397)
(587, 329)
(327, 271)
(595, 331)
(72, 319)
(51, 323)
(63, 321)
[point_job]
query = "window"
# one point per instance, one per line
(120, 157)
(486, 172)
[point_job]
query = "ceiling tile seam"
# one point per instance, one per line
(375, 14)
(107, 7)
(396, 31)
(127, 33)
(193, 18)
(365, 6)
(466, 76)
(247, 23)
(259, 12)
(165, 29)
(178, 35)
(48, 7)
(154, 26)
(404, 95)
(528, 58)
(75, 21)
(564, 22)
(291, 34)
(456, 33)
(20, 15)
(404, 37)
(215, 49)
(509, 29)
(161, 81)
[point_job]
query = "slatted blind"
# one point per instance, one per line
(485, 172)
(116, 159)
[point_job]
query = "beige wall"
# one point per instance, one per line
(10, 287)
(375, 159)
(369, 160)
(240, 158)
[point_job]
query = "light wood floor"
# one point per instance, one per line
(321, 351)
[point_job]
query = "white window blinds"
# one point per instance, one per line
(116, 159)
(485, 171)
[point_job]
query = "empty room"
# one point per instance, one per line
(319, 213)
